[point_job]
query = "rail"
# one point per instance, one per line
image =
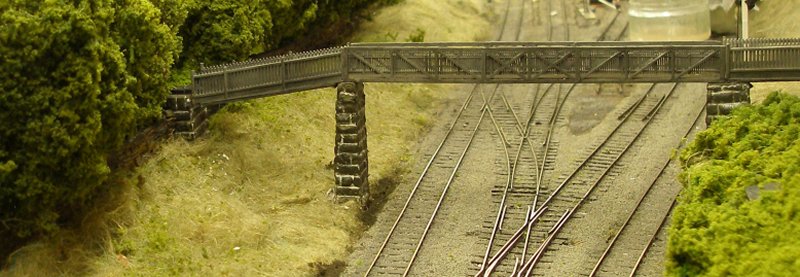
(749, 60)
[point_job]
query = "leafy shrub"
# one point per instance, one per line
(716, 229)
(78, 77)
(75, 79)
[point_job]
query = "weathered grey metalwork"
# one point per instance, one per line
(754, 60)
(571, 62)
(267, 77)
(750, 60)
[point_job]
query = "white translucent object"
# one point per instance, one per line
(669, 20)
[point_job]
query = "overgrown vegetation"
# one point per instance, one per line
(717, 230)
(76, 78)
(249, 198)
(79, 77)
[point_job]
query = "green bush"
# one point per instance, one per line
(79, 77)
(75, 78)
(217, 31)
(716, 229)
(224, 30)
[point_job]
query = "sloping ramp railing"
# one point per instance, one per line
(267, 77)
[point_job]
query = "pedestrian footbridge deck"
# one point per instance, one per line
(751, 60)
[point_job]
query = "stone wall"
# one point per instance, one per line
(722, 98)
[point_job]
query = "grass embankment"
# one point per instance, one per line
(775, 19)
(249, 198)
(721, 229)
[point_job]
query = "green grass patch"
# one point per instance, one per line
(717, 230)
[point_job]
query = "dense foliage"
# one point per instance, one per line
(77, 77)
(717, 230)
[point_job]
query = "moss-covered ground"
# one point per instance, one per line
(717, 230)
(739, 212)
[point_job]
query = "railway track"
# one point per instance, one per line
(524, 124)
(525, 133)
(403, 242)
(401, 247)
(632, 240)
(519, 196)
(574, 189)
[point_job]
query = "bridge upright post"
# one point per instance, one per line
(721, 98)
(351, 165)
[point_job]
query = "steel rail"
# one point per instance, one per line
(430, 162)
(569, 178)
(509, 183)
(419, 180)
(603, 35)
(501, 209)
(666, 215)
(444, 193)
(530, 217)
(607, 170)
(638, 204)
(486, 108)
(546, 143)
(511, 169)
(652, 238)
(525, 137)
(528, 266)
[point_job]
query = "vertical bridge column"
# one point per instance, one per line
(351, 166)
(724, 97)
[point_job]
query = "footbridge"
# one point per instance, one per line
(753, 60)
(727, 65)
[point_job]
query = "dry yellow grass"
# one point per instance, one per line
(250, 198)
(776, 19)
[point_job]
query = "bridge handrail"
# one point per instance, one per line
(268, 76)
(272, 59)
(760, 42)
(522, 62)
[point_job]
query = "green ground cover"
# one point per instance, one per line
(717, 230)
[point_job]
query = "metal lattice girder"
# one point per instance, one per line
(535, 63)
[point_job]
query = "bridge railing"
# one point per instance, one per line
(764, 59)
(535, 63)
(503, 62)
(266, 77)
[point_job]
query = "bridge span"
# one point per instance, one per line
(751, 60)
(728, 66)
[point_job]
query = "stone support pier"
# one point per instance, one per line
(351, 165)
(724, 97)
